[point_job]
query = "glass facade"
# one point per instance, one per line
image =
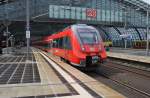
(142, 33)
(131, 31)
(109, 14)
(80, 13)
(108, 11)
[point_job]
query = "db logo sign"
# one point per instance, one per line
(91, 13)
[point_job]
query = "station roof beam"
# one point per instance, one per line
(5, 1)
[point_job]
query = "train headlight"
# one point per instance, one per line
(83, 49)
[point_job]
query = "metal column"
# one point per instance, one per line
(6, 24)
(28, 27)
(147, 34)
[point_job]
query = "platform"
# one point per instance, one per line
(43, 75)
(129, 54)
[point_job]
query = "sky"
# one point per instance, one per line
(148, 1)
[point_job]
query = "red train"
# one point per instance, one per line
(80, 44)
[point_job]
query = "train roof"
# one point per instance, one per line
(75, 26)
(60, 34)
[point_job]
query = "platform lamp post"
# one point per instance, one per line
(6, 23)
(28, 27)
(125, 24)
(6, 11)
(125, 27)
(147, 33)
(147, 29)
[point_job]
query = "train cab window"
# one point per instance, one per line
(88, 36)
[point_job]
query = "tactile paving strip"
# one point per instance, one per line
(14, 69)
(19, 73)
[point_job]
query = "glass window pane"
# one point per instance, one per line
(83, 13)
(51, 11)
(78, 12)
(98, 14)
(56, 11)
(62, 14)
(103, 15)
(67, 12)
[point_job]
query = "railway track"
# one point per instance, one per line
(130, 69)
(117, 82)
(130, 63)
(109, 72)
(127, 86)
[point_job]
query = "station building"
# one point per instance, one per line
(112, 18)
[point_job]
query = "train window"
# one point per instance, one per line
(67, 43)
(60, 43)
(55, 43)
(64, 42)
(50, 45)
(46, 45)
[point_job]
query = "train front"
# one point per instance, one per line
(89, 46)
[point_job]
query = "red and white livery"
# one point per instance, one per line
(81, 45)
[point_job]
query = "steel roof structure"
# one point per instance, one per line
(16, 6)
(139, 3)
(5, 1)
(16, 10)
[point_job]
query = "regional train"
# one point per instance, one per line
(80, 44)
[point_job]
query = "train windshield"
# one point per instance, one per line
(88, 36)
